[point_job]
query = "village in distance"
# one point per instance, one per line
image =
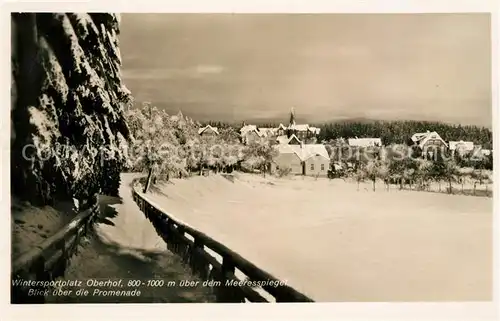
(413, 155)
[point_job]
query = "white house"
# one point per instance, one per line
(461, 146)
(289, 156)
(250, 133)
(303, 159)
(267, 132)
(428, 140)
(364, 142)
(247, 128)
(486, 152)
(281, 130)
(314, 130)
(316, 160)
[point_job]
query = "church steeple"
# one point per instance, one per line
(292, 117)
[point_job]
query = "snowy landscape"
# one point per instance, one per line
(335, 243)
(381, 191)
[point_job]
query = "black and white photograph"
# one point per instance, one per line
(251, 157)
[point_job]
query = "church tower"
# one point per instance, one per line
(292, 117)
(291, 126)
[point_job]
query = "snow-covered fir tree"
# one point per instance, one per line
(69, 133)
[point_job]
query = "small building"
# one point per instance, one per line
(429, 141)
(486, 152)
(267, 132)
(364, 142)
(303, 159)
(249, 133)
(247, 128)
(314, 130)
(208, 131)
(316, 160)
(288, 156)
(299, 130)
(461, 147)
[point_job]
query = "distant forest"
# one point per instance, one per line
(391, 132)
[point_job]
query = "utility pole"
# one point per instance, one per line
(150, 173)
(148, 180)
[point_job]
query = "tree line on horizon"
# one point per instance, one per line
(173, 147)
(390, 132)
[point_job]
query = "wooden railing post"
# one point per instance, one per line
(38, 269)
(229, 293)
(60, 266)
(196, 261)
(171, 237)
(182, 248)
(49, 259)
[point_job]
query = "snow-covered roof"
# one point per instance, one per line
(428, 136)
(299, 127)
(311, 150)
(314, 130)
(422, 138)
(364, 142)
(293, 137)
(337, 166)
(281, 126)
(486, 152)
(304, 151)
(247, 128)
(466, 146)
(201, 130)
(287, 149)
(419, 136)
(251, 128)
(282, 139)
(267, 131)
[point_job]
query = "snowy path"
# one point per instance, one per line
(125, 246)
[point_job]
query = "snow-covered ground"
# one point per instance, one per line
(335, 243)
(31, 225)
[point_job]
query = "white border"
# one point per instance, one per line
(317, 311)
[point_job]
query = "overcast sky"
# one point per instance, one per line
(329, 67)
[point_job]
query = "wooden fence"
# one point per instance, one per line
(193, 247)
(48, 260)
